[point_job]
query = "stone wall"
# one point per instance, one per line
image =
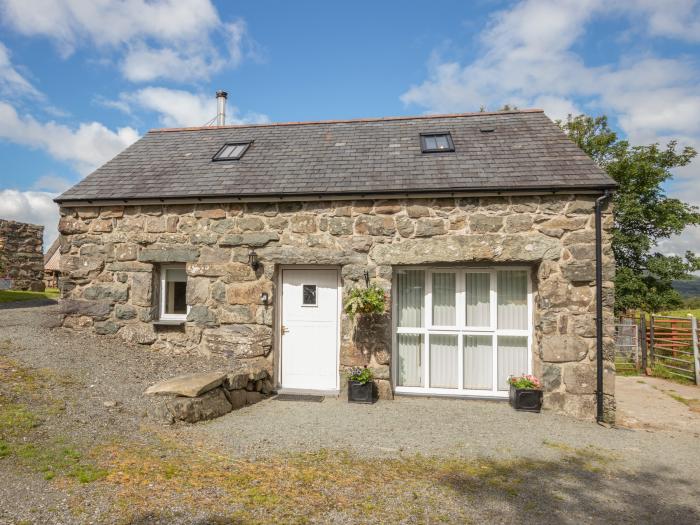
(21, 254)
(110, 256)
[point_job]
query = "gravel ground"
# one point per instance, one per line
(654, 478)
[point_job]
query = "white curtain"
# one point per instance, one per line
(478, 293)
(444, 299)
(478, 362)
(410, 369)
(444, 361)
(512, 299)
(410, 297)
(512, 358)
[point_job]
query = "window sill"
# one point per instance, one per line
(169, 322)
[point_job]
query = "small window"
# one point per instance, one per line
(436, 142)
(173, 292)
(309, 295)
(232, 151)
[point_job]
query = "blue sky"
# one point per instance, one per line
(82, 79)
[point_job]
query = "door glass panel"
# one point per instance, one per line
(444, 299)
(512, 300)
(512, 358)
(410, 297)
(410, 364)
(478, 294)
(478, 362)
(444, 361)
(309, 294)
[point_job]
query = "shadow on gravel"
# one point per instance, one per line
(151, 518)
(574, 490)
(33, 303)
(580, 487)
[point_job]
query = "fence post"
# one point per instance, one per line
(643, 338)
(696, 354)
(651, 340)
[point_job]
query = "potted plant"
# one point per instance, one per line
(525, 393)
(360, 385)
(369, 300)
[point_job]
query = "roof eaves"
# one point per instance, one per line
(563, 188)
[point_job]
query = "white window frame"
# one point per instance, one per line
(162, 316)
(461, 329)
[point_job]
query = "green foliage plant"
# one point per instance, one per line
(361, 375)
(643, 214)
(370, 300)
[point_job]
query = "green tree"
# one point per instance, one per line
(643, 214)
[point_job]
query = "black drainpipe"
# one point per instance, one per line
(599, 302)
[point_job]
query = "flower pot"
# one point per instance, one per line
(525, 399)
(361, 393)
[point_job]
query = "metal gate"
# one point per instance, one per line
(668, 345)
(673, 345)
(627, 354)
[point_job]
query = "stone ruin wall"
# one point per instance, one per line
(109, 256)
(21, 255)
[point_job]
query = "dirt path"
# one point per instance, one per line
(76, 448)
(656, 403)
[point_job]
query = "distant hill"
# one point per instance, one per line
(688, 288)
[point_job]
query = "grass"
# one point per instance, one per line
(691, 403)
(11, 296)
(56, 459)
(682, 312)
(306, 487)
(661, 371)
(18, 386)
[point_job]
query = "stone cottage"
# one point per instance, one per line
(21, 256)
(241, 241)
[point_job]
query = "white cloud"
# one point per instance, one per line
(52, 184)
(528, 57)
(12, 83)
(36, 207)
(86, 147)
(671, 18)
(171, 39)
(178, 108)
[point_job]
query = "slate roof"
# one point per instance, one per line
(525, 151)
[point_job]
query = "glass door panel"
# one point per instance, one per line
(410, 297)
(512, 300)
(410, 360)
(478, 362)
(444, 361)
(444, 299)
(478, 299)
(512, 358)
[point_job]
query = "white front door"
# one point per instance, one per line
(309, 329)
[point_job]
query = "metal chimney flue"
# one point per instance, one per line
(221, 97)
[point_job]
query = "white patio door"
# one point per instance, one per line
(309, 343)
(461, 331)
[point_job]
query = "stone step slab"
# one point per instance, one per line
(188, 385)
(210, 405)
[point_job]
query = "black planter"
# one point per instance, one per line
(361, 393)
(525, 399)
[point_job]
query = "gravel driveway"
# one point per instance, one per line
(570, 471)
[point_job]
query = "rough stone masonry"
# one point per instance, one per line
(110, 257)
(21, 255)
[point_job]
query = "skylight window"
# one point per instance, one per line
(436, 142)
(232, 151)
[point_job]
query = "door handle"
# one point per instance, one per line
(284, 329)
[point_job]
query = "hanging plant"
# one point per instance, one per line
(370, 300)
